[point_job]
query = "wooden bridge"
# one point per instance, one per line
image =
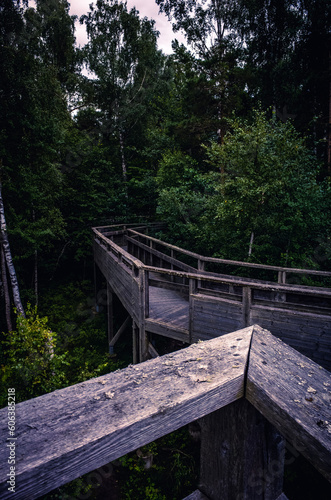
(179, 294)
(248, 389)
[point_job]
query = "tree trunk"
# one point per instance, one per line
(124, 169)
(251, 244)
(8, 258)
(36, 276)
(5, 289)
(329, 124)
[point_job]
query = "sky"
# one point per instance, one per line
(146, 8)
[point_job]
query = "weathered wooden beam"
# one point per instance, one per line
(152, 351)
(69, 432)
(119, 332)
(146, 292)
(254, 284)
(167, 330)
(135, 333)
(143, 343)
(242, 455)
(293, 393)
(110, 314)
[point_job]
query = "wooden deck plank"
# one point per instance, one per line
(168, 306)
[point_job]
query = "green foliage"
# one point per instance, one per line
(262, 185)
(164, 469)
(31, 364)
(175, 169)
(268, 186)
(81, 331)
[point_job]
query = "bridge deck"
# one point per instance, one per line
(168, 306)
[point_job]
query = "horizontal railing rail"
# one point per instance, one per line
(65, 434)
(232, 280)
(201, 260)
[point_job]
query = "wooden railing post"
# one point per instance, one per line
(281, 277)
(151, 254)
(242, 455)
(192, 290)
(201, 265)
(135, 331)
(146, 289)
(110, 314)
(143, 337)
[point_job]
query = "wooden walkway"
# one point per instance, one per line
(178, 294)
(168, 306)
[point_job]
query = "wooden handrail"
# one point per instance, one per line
(119, 249)
(228, 279)
(217, 260)
(67, 433)
(263, 285)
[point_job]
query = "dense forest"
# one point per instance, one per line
(227, 140)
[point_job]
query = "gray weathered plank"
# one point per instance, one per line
(293, 393)
(167, 330)
(242, 455)
(72, 431)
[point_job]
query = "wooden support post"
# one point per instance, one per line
(119, 332)
(134, 344)
(172, 255)
(201, 265)
(110, 314)
(246, 306)
(97, 286)
(151, 254)
(143, 344)
(242, 455)
(146, 291)
(152, 351)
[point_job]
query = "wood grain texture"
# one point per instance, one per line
(293, 393)
(69, 432)
(242, 455)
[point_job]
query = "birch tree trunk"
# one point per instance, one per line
(251, 244)
(124, 169)
(8, 258)
(5, 289)
(329, 124)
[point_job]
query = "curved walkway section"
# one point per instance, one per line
(176, 293)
